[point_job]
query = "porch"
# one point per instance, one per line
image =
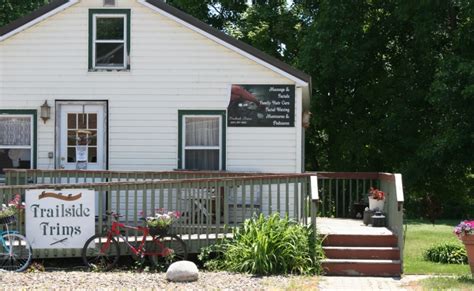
(213, 203)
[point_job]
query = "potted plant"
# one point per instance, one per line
(160, 223)
(465, 232)
(8, 211)
(376, 199)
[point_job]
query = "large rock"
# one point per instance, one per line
(182, 271)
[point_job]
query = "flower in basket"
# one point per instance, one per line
(162, 219)
(464, 228)
(376, 194)
(12, 208)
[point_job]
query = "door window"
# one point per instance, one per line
(82, 136)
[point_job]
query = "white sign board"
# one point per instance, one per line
(58, 219)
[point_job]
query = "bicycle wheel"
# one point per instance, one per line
(164, 250)
(15, 253)
(98, 252)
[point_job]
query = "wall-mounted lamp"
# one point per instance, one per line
(306, 118)
(45, 111)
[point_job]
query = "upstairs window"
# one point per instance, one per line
(109, 39)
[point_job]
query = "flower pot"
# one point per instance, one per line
(468, 241)
(375, 204)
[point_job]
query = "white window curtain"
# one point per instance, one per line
(202, 144)
(15, 142)
(202, 131)
(15, 131)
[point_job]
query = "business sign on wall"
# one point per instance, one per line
(261, 106)
(59, 218)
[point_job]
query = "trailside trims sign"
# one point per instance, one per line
(59, 218)
(261, 106)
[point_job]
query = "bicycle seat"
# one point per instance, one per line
(113, 214)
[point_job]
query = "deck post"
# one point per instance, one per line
(314, 202)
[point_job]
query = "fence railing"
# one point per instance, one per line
(214, 202)
(210, 206)
(341, 192)
(38, 176)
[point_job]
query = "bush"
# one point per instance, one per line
(270, 245)
(446, 253)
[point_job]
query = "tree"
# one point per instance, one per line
(10, 10)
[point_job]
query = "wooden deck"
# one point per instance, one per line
(345, 226)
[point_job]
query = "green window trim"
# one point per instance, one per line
(93, 12)
(34, 114)
(182, 113)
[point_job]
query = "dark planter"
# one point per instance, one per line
(368, 217)
(7, 220)
(159, 231)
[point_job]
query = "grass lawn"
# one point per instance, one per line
(420, 236)
(447, 283)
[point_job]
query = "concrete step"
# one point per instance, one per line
(381, 253)
(346, 267)
(357, 240)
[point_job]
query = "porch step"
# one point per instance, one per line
(347, 267)
(376, 253)
(357, 240)
(361, 255)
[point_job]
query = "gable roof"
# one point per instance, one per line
(169, 11)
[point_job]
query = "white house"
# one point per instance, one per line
(140, 85)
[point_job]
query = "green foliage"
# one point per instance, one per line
(270, 245)
(420, 235)
(465, 282)
(213, 256)
(446, 253)
(35, 267)
(10, 10)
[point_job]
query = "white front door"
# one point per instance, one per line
(81, 135)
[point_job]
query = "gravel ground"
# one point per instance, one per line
(77, 280)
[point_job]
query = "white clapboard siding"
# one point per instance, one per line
(172, 68)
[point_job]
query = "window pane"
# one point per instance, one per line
(71, 137)
(71, 121)
(71, 154)
(109, 54)
(93, 137)
(202, 131)
(92, 155)
(82, 122)
(110, 28)
(15, 158)
(15, 130)
(202, 159)
(92, 121)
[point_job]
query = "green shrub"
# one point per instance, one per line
(270, 245)
(213, 256)
(446, 253)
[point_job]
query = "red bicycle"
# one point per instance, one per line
(103, 250)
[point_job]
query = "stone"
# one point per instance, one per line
(182, 271)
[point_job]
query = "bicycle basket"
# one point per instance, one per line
(159, 230)
(7, 219)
